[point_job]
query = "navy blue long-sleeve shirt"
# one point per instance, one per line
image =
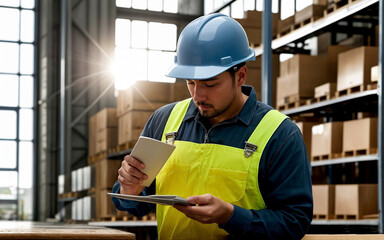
(284, 170)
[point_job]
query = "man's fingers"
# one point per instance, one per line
(134, 162)
(201, 199)
(129, 180)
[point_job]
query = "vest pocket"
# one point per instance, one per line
(226, 184)
(172, 179)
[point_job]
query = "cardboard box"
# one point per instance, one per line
(356, 200)
(89, 208)
(325, 89)
(320, 2)
(105, 139)
(327, 139)
(92, 130)
(73, 181)
(254, 35)
(282, 83)
(88, 177)
(312, 11)
(180, 91)
(360, 134)
(354, 67)
(104, 205)
(255, 19)
(106, 118)
(333, 52)
(254, 76)
(131, 125)
(306, 131)
(286, 24)
(79, 209)
(79, 180)
(144, 95)
(375, 74)
(254, 80)
(106, 173)
(299, 76)
(73, 210)
(324, 200)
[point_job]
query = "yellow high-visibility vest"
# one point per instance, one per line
(226, 172)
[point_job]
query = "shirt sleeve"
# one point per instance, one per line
(154, 129)
(135, 208)
(285, 184)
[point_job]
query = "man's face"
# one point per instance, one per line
(214, 97)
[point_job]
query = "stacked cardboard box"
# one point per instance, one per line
(180, 91)
(326, 89)
(284, 26)
(106, 176)
(355, 200)
(310, 13)
(252, 24)
(106, 129)
(82, 179)
(83, 209)
(299, 76)
(92, 133)
(323, 201)
(326, 140)
(136, 104)
(354, 67)
(254, 75)
(374, 74)
(306, 131)
(360, 137)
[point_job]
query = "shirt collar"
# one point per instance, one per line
(246, 114)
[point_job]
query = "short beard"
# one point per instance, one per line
(216, 112)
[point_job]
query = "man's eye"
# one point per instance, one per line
(210, 85)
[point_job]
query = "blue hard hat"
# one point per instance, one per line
(210, 45)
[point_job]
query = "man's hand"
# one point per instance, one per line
(130, 176)
(208, 209)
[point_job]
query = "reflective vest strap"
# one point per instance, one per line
(176, 117)
(265, 129)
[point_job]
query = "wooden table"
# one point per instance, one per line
(46, 230)
(344, 237)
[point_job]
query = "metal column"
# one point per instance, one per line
(381, 120)
(266, 65)
(64, 48)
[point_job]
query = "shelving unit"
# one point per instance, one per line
(288, 43)
(318, 26)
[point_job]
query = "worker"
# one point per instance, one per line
(242, 164)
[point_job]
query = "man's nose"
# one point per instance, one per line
(199, 93)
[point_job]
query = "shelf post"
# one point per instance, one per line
(266, 65)
(380, 120)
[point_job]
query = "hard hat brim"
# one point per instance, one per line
(203, 72)
(198, 72)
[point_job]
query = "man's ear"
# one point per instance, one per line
(241, 76)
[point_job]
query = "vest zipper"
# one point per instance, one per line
(206, 135)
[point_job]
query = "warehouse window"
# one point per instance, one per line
(237, 8)
(144, 51)
(169, 6)
(16, 108)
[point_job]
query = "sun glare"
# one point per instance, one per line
(121, 75)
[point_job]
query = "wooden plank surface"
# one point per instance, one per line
(344, 237)
(44, 230)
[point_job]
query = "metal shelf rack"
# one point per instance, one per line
(313, 29)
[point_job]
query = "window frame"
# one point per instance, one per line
(18, 109)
